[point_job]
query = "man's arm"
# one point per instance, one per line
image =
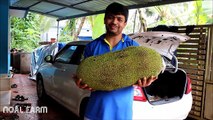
(144, 82)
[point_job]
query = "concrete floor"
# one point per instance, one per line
(27, 88)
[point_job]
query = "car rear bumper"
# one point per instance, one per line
(174, 110)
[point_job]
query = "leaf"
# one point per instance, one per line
(98, 26)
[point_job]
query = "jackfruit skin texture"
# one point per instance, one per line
(119, 69)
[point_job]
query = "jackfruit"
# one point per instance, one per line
(119, 69)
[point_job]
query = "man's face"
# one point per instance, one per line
(114, 23)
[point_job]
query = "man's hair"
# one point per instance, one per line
(117, 9)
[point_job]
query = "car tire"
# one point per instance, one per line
(40, 88)
(83, 107)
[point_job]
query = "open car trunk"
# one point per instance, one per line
(169, 87)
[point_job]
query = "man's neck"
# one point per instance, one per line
(113, 39)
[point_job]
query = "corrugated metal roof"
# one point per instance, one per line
(66, 9)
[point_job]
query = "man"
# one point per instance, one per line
(116, 104)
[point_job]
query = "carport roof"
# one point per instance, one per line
(67, 9)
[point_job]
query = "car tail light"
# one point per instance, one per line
(139, 94)
(189, 86)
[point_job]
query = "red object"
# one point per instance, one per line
(189, 86)
(139, 94)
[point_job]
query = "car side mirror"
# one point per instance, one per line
(49, 59)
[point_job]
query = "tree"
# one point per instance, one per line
(79, 28)
(143, 25)
(71, 31)
(67, 33)
(25, 32)
(200, 17)
(97, 23)
(186, 13)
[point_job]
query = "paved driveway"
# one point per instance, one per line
(27, 88)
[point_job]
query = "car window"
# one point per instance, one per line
(66, 54)
(77, 55)
(71, 54)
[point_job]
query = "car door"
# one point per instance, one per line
(47, 70)
(67, 63)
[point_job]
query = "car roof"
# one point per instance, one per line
(79, 42)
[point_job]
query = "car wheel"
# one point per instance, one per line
(40, 88)
(83, 107)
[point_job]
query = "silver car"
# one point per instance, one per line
(54, 78)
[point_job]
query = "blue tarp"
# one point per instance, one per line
(38, 55)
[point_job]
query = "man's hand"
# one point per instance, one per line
(144, 82)
(80, 84)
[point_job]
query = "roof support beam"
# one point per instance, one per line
(68, 6)
(47, 14)
(157, 3)
(33, 4)
(81, 15)
(55, 10)
(80, 3)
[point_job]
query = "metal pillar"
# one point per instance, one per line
(57, 31)
(4, 33)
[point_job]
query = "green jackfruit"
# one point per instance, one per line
(119, 69)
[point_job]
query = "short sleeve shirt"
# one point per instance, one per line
(109, 105)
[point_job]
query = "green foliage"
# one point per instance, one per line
(203, 12)
(25, 32)
(199, 15)
(69, 28)
(98, 27)
(208, 9)
(180, 14)
(66, 35)
(65, 38)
